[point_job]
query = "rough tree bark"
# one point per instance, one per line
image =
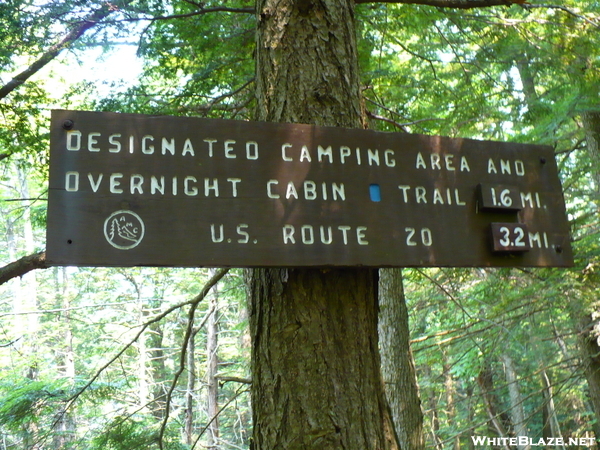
(589, 350)
(316, 382)
(316, 367)
(586, 317)
(591, 123)
(397, 364)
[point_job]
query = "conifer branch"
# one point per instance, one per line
(200, 12)
(75, 33)
(459, 4)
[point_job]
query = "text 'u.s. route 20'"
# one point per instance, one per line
(152, 190)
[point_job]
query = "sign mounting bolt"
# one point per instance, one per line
(68, 124)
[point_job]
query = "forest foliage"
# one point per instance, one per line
(125, 358)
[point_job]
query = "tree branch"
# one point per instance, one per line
(239, 392)
(226, 379)
(564, 9)
(186, 340)
(201, 11)
(459, 4)
(22, 266)
(75, 33)
(374, 116)
(194, 303)
(402, 126)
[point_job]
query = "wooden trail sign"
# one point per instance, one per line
(129, 190)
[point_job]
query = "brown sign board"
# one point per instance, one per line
(137, 190)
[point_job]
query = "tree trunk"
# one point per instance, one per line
(307, 63)
(316, 380)
(397, 364)
(516, 410)
(587, 340)
(142, 363)
(586, 317)
(551, 425)
(212, 362)
(190, 390)
(591, 123)
(528, 81)
(498, 421)
(152, 364)
(25, 298)
(471, 411)
(159, 371)
(432, 406)
(450, 391)
(65, 425)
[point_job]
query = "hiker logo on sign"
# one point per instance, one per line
(124, 229)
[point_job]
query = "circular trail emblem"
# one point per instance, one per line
(124, 229)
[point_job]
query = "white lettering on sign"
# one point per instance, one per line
(306, 234)
(92, 141)
(119, 183)
(437, 196)
(343, 155)
(95, 184)
(284, 155)
(506, 239)
(442, 162)
(135, 184)
(531, 199)
(190, 189)
(148, 145)
(252, 150)
(229, 149)
(113, 140)
(72, 181)
(147, 148)
(73, 140)
(298, 174)
(115, 183)
(506, 167)
(415, 237)
(324, 152)
(307, 190)
(537, 240)
(220, 234)
(188, 149)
